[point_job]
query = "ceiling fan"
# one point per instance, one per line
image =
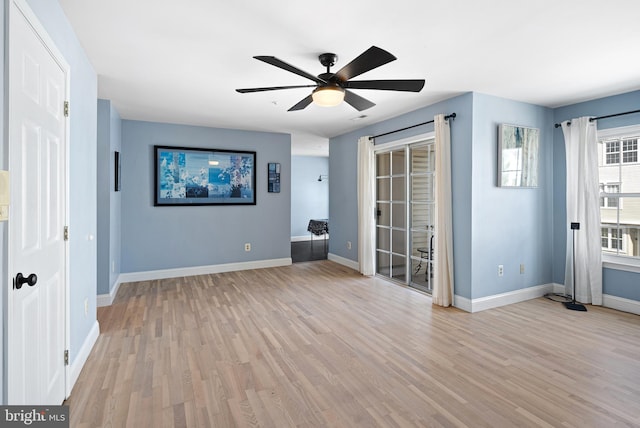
(332, 88)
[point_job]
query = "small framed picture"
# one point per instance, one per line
(118, 177)
(273, 175)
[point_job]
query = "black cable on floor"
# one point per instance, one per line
(558, 297)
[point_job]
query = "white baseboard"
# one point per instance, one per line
(75, 367)
(201, 270)
(344, 261)
(497, 300)
(462, 303)
(307, 238)
(502, 299)
(107, 299)
(621, 304)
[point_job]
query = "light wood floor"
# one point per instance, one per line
(316, 344)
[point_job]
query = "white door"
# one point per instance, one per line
(37, 152)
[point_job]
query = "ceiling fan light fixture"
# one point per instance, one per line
(328, 96)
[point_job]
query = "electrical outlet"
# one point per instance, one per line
(86, 307)
(348, 245)
(247, 247)
(500, 270)
(113, 266)
(521, 268)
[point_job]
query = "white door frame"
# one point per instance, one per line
(388, 147)
(23, 8)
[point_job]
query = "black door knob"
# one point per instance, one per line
(29, 280)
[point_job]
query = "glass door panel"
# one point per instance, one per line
(422, 193)
(398, 215)
(399, 268)
(383, 164)
(383, 240)
(391, 224)
(383, 266)
(383, 189)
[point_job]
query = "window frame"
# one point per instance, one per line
(606, 195)
(618, 261)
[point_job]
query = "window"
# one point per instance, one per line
(619, 177)
(629, 153)
(612, 239)
(607, 201)
(613, 152)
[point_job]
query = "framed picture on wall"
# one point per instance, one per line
(200, 176)
(517, 156)
(118, 179)
(273, 173)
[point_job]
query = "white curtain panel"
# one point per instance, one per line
(442, 293)
(583, 206)
(366, 207)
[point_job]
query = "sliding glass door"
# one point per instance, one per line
(405, 214)
(391, 227)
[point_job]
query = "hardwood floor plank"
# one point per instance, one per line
(317, 344)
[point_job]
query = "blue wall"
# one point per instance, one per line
(492, 225)
(343, 209)
(510, 226)
(309, 197)
(109, 141)
(157, 238)
(614, 282)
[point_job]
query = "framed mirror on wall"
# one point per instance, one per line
(517, 156)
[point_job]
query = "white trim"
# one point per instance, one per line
(621, 131)
(627, 264)
(308, 238)
(201, 270)
(76, 366)
(510, 297)
(558, 288)
(405, 141)
(621, 304)
(497, 300)
(502, 299)
(462, 303)
(107, 299)
(344, 261)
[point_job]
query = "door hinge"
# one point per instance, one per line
(66, 233)
(66, 357)
(66, 109)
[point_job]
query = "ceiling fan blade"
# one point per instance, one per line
(386, 85)
(356, 101)
(368, 60)
(272, 88)
(302, 104)
(283, 65)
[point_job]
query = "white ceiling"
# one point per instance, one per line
(181, 61)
